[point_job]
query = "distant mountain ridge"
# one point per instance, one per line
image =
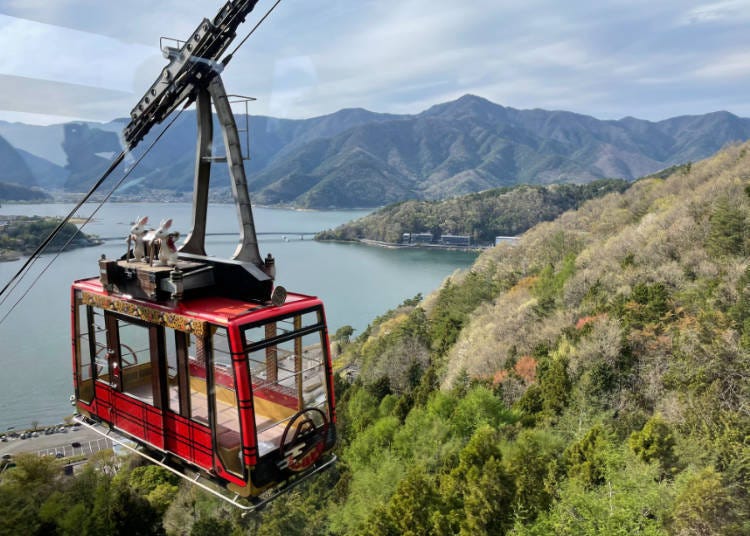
(15, 169)
(358, 158)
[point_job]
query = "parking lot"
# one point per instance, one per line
(73, 441)
(77, 448)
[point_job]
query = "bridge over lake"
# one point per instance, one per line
(291, 235)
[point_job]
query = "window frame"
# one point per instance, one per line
(318, 328)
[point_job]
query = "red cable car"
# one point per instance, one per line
(238, 389)
(201, 362)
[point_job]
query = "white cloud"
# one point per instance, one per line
(619, 57)
(725, 11)
(47, 52)
(294, 80)
(736, 65)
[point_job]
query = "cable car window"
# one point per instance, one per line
(135, 360)
(173, 387)
(288, 373)
(91, 350)
(227, 419)
(313, 388)
(97, 333)
(84, 357)
(178, 384)
(197, 367)
(228, 437)
(284, 326)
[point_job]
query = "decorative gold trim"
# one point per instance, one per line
(153, 316)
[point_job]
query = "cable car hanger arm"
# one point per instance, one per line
(192, 65)
(193, 74)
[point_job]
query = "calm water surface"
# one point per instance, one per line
(356, 283)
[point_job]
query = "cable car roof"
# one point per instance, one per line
(214, 309)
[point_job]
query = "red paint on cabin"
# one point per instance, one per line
(137, 367)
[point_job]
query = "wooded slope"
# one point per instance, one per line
(482, 216)
(592, 380)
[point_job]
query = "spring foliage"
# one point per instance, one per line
(593, 379)
(482, 216)
(614, 342)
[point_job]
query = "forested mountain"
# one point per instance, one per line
(472, 144)
(17, 182)
(593, 379)
(357, 158)
(72, 155)
(483, 216)
(14, 192)
(23, 234)
(15, 170)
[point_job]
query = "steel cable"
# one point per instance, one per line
(20, 274)
(27, 265)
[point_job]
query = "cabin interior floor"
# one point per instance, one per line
(269, 430)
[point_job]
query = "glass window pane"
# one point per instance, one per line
(259, 333)
(98, 331)
(287, 372)
(173, 383)
(84, 359)
(197, 363)
(135, 359)
(228, 434)
(313, 378)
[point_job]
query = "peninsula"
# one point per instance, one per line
(21, 235)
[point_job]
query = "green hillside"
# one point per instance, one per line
(23, 234)
(483, 216)
(593, 379)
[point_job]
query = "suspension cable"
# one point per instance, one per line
(57, 229)
(40, 250)
(251, 32)
(45, 243)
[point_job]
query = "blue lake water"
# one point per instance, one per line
(356, 283)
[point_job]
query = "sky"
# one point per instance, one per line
(93, 60)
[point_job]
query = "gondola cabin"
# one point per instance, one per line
(203, 362)
(239, 389)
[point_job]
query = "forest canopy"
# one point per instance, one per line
(23, 234)
(592, 380)
(483, 216)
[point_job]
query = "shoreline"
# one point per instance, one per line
(395, 245)
(12, 256)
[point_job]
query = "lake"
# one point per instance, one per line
(356, 283)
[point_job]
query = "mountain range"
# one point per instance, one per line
(358, 158)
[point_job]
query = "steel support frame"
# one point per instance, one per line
(247, 249)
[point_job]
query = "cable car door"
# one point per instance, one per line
(136, 377)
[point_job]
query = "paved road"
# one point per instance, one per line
(86, 442)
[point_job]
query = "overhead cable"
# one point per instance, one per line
(30, 261)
